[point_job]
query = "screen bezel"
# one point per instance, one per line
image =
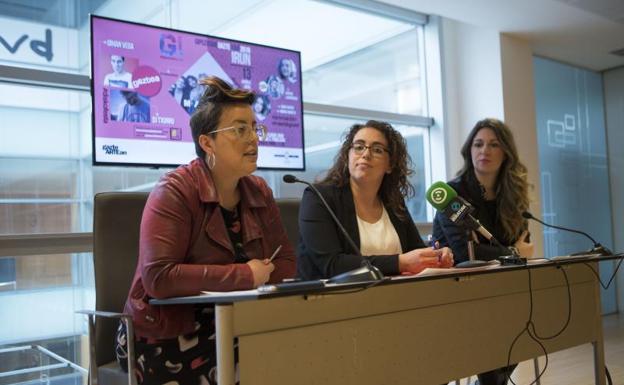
(95, 162)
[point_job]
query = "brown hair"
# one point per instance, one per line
(395, 186)
(217, 96)
(512, 188)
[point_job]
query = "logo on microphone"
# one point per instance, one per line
(438, 195)
(455, 206)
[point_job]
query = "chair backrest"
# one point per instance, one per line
(289, 211)
(116, 225)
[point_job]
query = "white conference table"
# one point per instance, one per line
(413, 330)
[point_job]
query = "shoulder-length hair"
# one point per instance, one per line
(512, 188)
(395, 186)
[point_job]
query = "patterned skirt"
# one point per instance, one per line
(187, 359)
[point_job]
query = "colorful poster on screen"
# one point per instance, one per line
(146, 85)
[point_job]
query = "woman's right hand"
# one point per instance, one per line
(525, 248)
(417, 260)
(261, 271)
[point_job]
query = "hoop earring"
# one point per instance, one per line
(211, 160)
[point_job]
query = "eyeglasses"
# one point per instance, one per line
(244, 131)
(376, 150)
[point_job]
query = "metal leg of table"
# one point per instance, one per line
(224, 319)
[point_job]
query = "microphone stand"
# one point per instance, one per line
(471, 262)
(597, 249)
(367, 272)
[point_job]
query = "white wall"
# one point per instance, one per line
(519, 102)
(473, 86)
(486, 74)
(614, 109)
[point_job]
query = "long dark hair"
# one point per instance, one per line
(218, 94)
(395, 186)
(512, 188)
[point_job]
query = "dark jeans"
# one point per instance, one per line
(496, 376)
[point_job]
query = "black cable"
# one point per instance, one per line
(609, 380)
(557, 334)
(530, 330)
(605, 287)
(598, 275)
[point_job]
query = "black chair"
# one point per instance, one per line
(289, 211)
(116, 224)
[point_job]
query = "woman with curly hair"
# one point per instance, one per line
(494, 181)
(366, 188)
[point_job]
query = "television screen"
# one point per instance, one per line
(145, 86)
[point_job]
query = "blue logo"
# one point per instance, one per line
(169, 46)
(113, 150)
(455, 206)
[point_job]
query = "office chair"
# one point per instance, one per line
(116, 224)
(289, 211)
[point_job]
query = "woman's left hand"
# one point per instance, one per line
(446, 258)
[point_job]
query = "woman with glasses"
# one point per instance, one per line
(208, 225)
(494, 182)
(366, 188)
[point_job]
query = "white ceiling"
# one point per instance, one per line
(579, 32)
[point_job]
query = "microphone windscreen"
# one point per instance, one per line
(440, 194)
(288, 178)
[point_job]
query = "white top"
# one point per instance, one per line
(122, 80)
(379, 238)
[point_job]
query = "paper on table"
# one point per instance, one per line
(236, 293)
(444, 271)
(452, 270)
(537, 261)
(570, 257)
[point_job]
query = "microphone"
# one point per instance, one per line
(445, 199)
(367, 272)
(597, 249)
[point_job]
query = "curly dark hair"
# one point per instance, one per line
(512, 187)
(395, 186)
(218, 94)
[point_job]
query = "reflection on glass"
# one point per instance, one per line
(47, 182)
(324, 136)
(384, 77)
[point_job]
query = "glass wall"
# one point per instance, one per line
(573, 160)
(359, 64)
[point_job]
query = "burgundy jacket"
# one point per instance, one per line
(185, 247)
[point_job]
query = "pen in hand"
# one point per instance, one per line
(433, 244)
(275, 253)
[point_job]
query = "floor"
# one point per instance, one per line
(575, 366)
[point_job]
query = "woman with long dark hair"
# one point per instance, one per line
(494, 181)
(366, 188)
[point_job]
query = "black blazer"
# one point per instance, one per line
(454, 236)
(323, 250)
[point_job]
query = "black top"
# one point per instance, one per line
(233, 226)
(454, 236)
(324, 252)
